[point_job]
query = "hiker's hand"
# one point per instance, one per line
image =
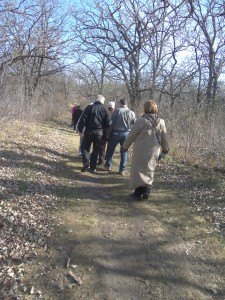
(124, 149)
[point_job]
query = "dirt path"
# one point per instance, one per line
(105, 245)
(121, 249)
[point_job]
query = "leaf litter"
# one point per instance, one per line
(204, 190)
(28, 192)
(28, 195)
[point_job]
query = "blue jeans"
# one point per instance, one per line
(116, 137)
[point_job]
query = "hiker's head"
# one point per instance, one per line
(123, 102)
(111, 106)
(150, 107)
(101, 99)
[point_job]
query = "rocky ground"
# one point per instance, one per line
(67, 235)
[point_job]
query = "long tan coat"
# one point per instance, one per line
(146, 150)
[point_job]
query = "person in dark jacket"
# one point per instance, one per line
(76, 113)
(111, 107)
(94, 118)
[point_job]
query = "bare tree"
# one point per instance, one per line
(92, 70)
(164, 49)
(45, 40)
(134, 36)
(118, 33)
(207, 39)
(33, 44)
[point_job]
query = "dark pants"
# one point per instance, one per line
(102, 150)
(91, 138)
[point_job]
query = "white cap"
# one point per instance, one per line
(111, 104)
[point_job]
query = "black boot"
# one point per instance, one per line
(137, 192)
(85, 167)
(145, 192)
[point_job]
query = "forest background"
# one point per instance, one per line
(53, 54)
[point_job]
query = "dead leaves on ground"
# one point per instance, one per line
(28, 196)
(203, 189)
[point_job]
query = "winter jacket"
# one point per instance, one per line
(148, 138)
(76, 116)
(94, 118)
(122, 119)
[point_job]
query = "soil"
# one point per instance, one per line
(125, 249)
(105, 245)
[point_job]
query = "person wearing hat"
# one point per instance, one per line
(110, 107)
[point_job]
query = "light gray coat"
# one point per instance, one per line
(146, 149)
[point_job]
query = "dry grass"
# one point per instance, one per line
(42, 184)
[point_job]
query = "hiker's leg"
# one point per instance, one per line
(104, 145)
(101, 157)
(97, 140)
(112, 143)
(123, 154)
(146, 190)
(138, 191)
(85, 148)
(80, 143)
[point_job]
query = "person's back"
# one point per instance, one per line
(97, 117)
(149, 138)
(94, 119)
(122, 120)
(73, 110)
(110, 108)
(76, 116)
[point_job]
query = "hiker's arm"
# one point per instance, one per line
(107, 120)
(132, 135)
(113, 119)
(133, 118)
(164, 141)
(83, 119)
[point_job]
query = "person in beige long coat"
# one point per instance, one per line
(149, 137)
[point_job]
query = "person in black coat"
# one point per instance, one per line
(76, 113)
(101, 158)
(94, 119)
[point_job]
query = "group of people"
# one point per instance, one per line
(104, 129)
